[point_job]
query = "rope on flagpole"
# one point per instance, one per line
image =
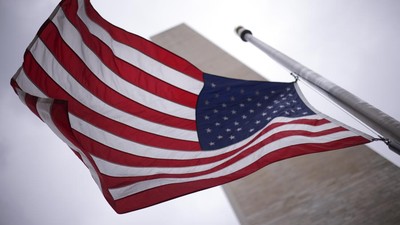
(378, 136)
(316, 90)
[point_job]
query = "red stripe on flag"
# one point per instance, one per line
(59, 117)
(170, 191)
(53, 90)
(123, 158)
(31, 101)
(125, 70)
(15, 85)
(114, 182)
(74, 65)
(151, 49)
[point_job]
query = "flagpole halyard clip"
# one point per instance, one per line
(296, 77)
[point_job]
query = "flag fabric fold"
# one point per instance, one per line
(148, 124)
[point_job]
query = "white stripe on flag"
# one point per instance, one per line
(43, 107)
(118, 193)
(121, 144)
(114, 141)
(141, 60)
(26, 84)
(72, 37)
(116, 170)
(54, 70)
(21, 96)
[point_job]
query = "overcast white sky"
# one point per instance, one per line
(354, 43)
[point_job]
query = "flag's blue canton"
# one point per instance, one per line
(230, 110)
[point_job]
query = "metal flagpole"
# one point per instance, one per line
(385, 125)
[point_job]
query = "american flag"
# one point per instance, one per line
(149, 125)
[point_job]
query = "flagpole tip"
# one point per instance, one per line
(241, 31)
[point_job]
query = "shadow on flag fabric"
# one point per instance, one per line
(149, 125)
